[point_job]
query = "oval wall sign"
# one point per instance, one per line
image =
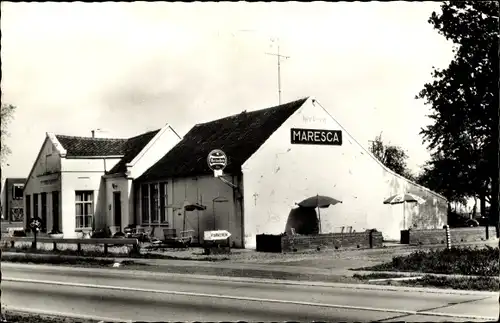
(217, 160)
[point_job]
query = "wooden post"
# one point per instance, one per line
(55, 246)
(33, 245)
(79, 247)
(105, 248)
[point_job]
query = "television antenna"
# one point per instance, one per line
(279, 57)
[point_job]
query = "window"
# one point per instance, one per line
(84, 207)
(163, 202)
(153, 197)
(154, 203)
(43, 202)
(28, 208)
(35, 205)
(55, 210)
(17, 191)
(145, 203)
(16, 214)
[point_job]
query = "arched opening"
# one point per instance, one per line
(303, 221)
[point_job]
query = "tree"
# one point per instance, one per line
(393, 157)
(464, 101)
(7, 114)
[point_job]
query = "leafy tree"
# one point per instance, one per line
(7, 114)
(393, 157)
(464, 102)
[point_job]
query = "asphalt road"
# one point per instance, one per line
(130, 295)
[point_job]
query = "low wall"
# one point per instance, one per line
(438, 236)
(289, 243)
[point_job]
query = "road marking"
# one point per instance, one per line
(62, 314)
(243, 298)
(143, 273)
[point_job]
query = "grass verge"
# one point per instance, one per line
(92, 253)
(19, 317)
(63, 260)
(377, 276)
(458, 283)
(459, 261)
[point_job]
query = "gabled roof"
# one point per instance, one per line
(92, 147)
(132, 148)
(15, 180)
(239, 136)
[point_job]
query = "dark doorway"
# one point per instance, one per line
(55, 211)
(117, 207)
(43, 198)
(303, 221)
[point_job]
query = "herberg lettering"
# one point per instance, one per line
(316, 137)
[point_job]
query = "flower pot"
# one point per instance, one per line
(56, 235)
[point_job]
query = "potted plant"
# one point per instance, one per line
(56, 234)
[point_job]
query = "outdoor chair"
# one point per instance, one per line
(114, 230)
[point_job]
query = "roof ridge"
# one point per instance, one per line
(254, 111)
(143, 134)
(91, 138)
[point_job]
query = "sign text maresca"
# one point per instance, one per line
(316, 137)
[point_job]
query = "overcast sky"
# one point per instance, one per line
(132, 67)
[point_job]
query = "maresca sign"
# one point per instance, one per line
(316, 137)
(216, 235)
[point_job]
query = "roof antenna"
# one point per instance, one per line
(279, 56)
(93, 131)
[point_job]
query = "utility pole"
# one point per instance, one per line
(279, 57)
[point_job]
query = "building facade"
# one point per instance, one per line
(13, 200)
(277, 157)
(81, 184)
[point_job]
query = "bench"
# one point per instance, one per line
(92, 241)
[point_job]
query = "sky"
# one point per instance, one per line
(127, 68)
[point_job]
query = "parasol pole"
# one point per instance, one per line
(404, 215)
(319, 213)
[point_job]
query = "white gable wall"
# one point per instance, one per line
(158, 147)
(43, 178)
(281, 174)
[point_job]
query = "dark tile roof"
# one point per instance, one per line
(91, 147)
(15, 180)
(132, 148)
(239, 136)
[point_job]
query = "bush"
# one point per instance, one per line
(462, 261)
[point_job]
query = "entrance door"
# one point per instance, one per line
(117, 207)
(55, 211)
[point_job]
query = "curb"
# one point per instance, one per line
(415, 273)
(143, 273)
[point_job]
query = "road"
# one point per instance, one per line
(124, 295)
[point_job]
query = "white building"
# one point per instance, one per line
(276, 158)
(83, 183)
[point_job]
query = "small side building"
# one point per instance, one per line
(84, 183)
(278, 157)
(13, 200)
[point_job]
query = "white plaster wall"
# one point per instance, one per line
(158, 147)
(82, 175)
(122, 186)
(44, 177)
(281, 174)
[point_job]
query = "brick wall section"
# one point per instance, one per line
(335, 240)
(438, 236)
